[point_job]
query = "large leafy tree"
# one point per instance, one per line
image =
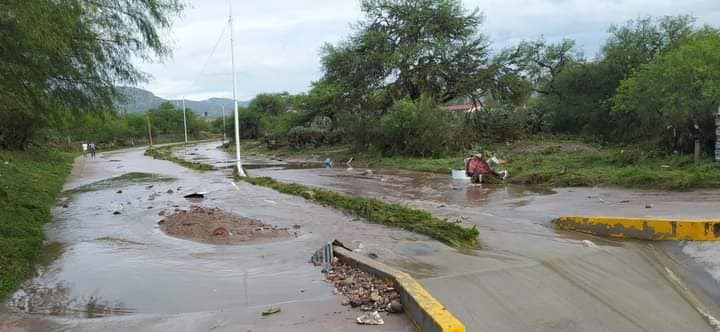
(407, 49)
(71, 54)
(675, 97)
(577, 91)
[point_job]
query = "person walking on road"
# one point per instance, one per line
(92, 150)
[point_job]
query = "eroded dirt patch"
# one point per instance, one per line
(215, 226)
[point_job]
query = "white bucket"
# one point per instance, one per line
(459, 174)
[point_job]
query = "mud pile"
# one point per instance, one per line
(215, 226)
(362, 289)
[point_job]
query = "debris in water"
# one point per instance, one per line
(360, 288)
(271, 311)
(149, 187)
(394, 307)
(119, 192)
(170, 191)
(589, 244)
(371, 318)
(196, 195)
(116, 212)
(648, 206)
(220, 231)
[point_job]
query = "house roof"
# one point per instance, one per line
(461, 108)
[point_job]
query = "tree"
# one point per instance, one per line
(408, 49)
(70, 55)
(676, 96)
(271, 104)
(577, 92)
(640, 41)
(541, 62)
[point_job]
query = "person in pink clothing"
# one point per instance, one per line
(476, 167)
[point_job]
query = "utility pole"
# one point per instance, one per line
(223, 129)
(184, 120)
(717, 136)
(149, 127)
(240, 170)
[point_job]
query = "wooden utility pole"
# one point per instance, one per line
(149, 127)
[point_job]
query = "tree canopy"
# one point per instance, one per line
(409, 49)
(676, 96)
(70, 55)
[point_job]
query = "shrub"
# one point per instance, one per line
(300, 137)
(498, 124)
(417, 128)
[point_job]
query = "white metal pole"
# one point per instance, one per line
(223, 128)
(184, 121)
(240, 170)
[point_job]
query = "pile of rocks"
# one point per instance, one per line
(362, 289)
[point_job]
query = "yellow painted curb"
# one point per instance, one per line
(426, 312)
(642, 228)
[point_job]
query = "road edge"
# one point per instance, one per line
(426, 312)
(655, 229)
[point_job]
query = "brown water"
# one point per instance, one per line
(525, 276)
(122, 265)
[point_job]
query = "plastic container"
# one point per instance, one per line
(459, 174)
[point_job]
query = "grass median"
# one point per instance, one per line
(29, 184)
(165, 153)
(379, 212)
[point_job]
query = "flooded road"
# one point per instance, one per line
(525, 276)
(117, 271)
(528, 276)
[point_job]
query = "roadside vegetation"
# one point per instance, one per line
(60, 64)
(379, 212)
(29, 182)
(539, 161)
(641, 103)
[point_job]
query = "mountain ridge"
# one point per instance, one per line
(140, 100)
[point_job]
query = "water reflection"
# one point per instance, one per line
(34, 298)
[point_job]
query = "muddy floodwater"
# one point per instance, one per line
(117, 270)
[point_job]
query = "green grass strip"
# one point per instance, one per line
(165, 153)
(29, 184)
(379, 212)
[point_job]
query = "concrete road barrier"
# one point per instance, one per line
(422, 308)
(642, 228)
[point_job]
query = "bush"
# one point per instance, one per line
(358, 129)
(418, 128)
(498, 124)
(300, 137)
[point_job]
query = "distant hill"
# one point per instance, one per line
(139, 101)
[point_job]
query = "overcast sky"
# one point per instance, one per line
(277, 42)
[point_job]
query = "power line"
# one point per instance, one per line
(222, 33)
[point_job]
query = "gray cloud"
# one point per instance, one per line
(277, 42)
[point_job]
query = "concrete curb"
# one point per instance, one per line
(421, 307)
(642, 228)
